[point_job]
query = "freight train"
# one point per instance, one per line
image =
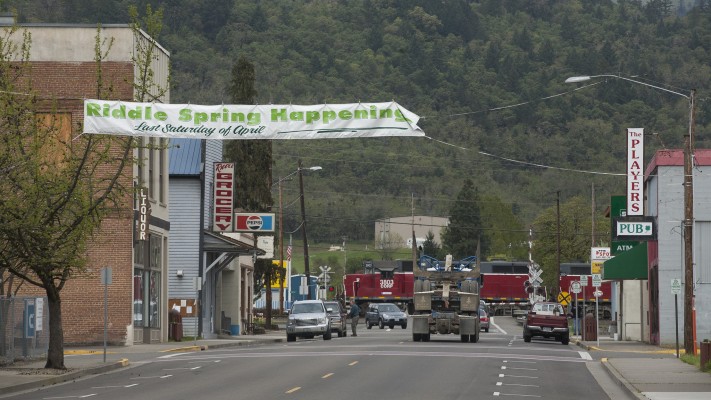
(504, 285)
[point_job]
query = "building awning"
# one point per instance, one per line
(218, 243)
(632, 264)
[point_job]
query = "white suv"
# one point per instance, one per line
(308, 318)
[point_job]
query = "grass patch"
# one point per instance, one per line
(695, 360)
(690, 359)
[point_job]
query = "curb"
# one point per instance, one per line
(614, 374)
(621, 381)
(235, 343)
(70, 376)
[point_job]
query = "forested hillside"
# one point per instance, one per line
(487, 78)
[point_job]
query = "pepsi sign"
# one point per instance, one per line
(252, 222)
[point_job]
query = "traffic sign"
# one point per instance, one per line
(596, 280)
(676, 286)
(597, 293)
(564, 298)
(575, 287)
(583, 280)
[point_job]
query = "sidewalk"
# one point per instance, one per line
(83, 361)
(651, 372)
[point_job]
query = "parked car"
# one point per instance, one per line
(484, 319)
(546, 319)
(308, 318)
(383, 314)
(337, 315)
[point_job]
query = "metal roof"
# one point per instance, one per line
(185, 157)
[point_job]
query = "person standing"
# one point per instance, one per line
(354, 314)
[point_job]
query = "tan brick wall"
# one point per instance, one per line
(83, 296)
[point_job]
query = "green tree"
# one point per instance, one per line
(575, 237)
(506, 233)
(58, 186)
(253, 160)
(430, 247)
(465, 233)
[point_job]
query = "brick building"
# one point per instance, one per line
(63, 71)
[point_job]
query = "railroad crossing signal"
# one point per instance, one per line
(564, 298)
(534, 275)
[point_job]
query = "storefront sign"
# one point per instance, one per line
(144, 215)
(223, 219)
(635, 173)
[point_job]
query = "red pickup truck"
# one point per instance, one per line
(546, 319)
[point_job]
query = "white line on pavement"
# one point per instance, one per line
(585, 355)
(497, 327)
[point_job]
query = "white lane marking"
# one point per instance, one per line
(518, 376)
(517, 361)
(173, 355)
(113, 387)
(293, 389)
(514, 384)
(353, 363)
(491, 320)
(327, 375)
(152, 377)
(585, 355)
(71, 397)
(517, 395)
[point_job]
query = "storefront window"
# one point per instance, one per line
(138, 297)
(147, 283)
(154, 279)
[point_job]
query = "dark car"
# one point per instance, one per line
(383, 314)
(337, 314)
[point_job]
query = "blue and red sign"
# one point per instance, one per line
(251, 222)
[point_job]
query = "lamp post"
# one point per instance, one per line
(303, 226)
(689, 327)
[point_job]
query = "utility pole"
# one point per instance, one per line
(281, 254)
(689, 328)
(556, 282)
(414, 239)
(303, 232)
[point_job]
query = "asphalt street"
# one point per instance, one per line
(377, 363)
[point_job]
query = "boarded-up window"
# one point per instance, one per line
(58, 127)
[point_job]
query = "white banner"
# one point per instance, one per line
(325, 121)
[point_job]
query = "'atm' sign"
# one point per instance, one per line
(250, 222)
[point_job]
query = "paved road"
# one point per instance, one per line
(376, 364)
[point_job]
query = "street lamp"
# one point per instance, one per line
(689, 327)
(303, 224)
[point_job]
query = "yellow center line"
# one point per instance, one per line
(293, 390)
(327, 375)
(353, 363)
